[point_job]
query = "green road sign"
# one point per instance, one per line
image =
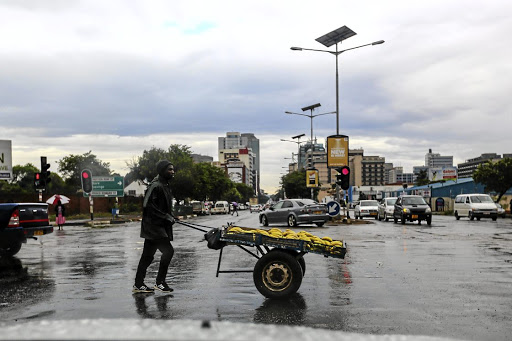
(107, 186)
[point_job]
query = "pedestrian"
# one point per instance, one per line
(156, 228)
(235, 209)
(60, 215)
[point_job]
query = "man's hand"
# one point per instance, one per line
(169, 218)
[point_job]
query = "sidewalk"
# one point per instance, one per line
(108, 221)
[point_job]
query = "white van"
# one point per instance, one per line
(475, 206)
(221, 207)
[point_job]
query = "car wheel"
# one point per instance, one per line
(457, 217)
(12, 249)
(319, 224)
(386, 218)
(378, 216)
(471, 216)
(264, 220)
(429, 221)
(494, 218)
(292, 221)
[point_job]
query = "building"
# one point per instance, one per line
(235, 140)
(202, 158)
(239, 165)
(433, 160)
(466, 169)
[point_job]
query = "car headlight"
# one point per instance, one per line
(406, 210)
(428, 210)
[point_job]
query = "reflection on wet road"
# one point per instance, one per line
(452, 279)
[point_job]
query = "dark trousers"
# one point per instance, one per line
(148, 254)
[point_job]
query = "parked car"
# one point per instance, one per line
(412, 208)
(366, 208)
(501, 211)
(221, 207)
(18, 222)
(293, 212)
(475, 206)
(386, 208)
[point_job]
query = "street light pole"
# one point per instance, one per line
(329, 39)
(311, 116)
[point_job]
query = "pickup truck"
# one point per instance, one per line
(18, 222)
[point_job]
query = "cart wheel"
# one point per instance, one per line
(294, 254)
(277, 274)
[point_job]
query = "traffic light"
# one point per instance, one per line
(86, 176)
(38, 183)
(343, 178)
(45, 173)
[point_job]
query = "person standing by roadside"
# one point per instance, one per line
(60, 215)
(156, 229)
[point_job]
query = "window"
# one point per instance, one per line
(287, 204)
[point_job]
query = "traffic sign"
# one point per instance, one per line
(107, 186)
(333, 208)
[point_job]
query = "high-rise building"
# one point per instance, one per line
(466, 169)
(245, 148)
(434, 160)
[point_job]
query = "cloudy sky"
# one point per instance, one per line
(118, 77)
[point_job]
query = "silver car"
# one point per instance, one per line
(386, 208)
(293, 212)
(366, 208)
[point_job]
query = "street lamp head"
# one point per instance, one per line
(378, 42)
(296, 48)
(289, 112)
(311, 107)
(298, 136)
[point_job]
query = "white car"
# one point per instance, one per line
(255, 208)
(366, 208)
(501, 211)
(386, 208)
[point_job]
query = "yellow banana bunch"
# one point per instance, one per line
(274, 232)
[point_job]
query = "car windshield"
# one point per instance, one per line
(481, 199)
(391, 201)
(369, 203)
(414, 201)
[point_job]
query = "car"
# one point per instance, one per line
(386, 208)
(366, 208)
(221, 207)
(501, 211)
(475, 206)
(293, 212)
(20, 221)
(412, 208)
(254, 208)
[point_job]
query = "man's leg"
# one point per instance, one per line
(167, 252)
(148, 254)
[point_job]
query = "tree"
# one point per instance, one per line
(71, 166)
(294, 184)
(422, 178)
(495, 176)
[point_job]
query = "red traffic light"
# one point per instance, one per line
(85, 175)
(87, 181)
(345, 171)
(38, 176)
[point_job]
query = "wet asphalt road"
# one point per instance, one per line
(453, 279)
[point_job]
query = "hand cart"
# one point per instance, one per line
(280, 267)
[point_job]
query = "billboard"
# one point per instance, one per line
(5, 159)
(236, 174)
(312, 178)
(337, 151)
(442, 173)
